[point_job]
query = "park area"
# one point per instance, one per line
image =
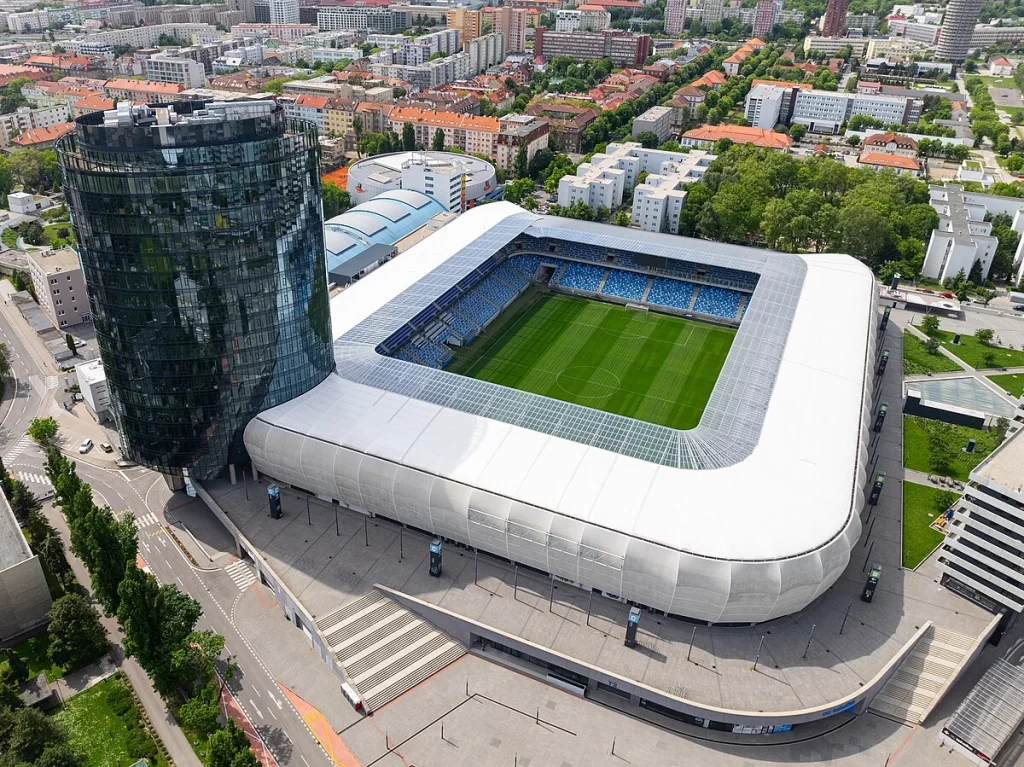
(1012, 383)
(918, 360)
(934, 447)
(921, 506)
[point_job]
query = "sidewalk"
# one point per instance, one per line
(81, 680)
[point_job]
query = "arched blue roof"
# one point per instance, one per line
(384, 220)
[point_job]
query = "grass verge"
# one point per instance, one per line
(978, 355)
(1011, 382)
(917, 454)
(917, 360)
(34, 651)
(921, 504)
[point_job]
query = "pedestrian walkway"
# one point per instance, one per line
(18, 448)
(146, 520)
(28, 476)
(81, 680)
(52, 382)
(328, 739)
(231, 708)
(241, 573)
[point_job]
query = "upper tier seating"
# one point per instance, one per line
(666, 292)
(582, 277)
(719, 302)
(629, 285)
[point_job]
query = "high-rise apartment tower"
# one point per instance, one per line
(834, 23)
(958, 29)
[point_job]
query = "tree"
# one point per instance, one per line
(76, 635)
(976, 275)
(521, 167)
(335, 200)
(23, 502)
(984, 336)
(932, 346)
(44, 431)
(31, 232)
(357, 128)
(12, 100)
(648, 139)
(622, 218)
(6, 179)
(226, 745)
(437, 144)
(27, 735)
(929, 324)
(516, 191)
(112, 546)
(797, 132)
(408, 137)
(70, 341)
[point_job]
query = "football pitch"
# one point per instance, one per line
(653, 367)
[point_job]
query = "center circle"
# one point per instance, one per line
(588, 382)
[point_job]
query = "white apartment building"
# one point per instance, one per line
(900, 47)
(986, 35)
(26, 119)
(609, 175)
(27, 21)
(660, 199)
(586, 18)
(832, 45)
(420, 50)
(142, 37)
(331, 55)
(927, 34)
(763, 106)
(60, 286)
(284, 11)
(303, 107)
(429, 74)
(656, 120)
(982, 557)
(962, 236)
(370, 18)
(823, 111)
(289, 33)
(380, 40)
(485, 51)
(170, 69)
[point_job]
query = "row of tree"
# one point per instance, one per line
(159, 621)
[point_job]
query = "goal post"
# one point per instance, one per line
(637, 307)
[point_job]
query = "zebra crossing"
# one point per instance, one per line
(39, 479)
(18, 448)
(145, 520)
(52, 382)
(241, 573)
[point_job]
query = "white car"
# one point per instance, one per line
(86, 446)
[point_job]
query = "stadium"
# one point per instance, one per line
(677, 423)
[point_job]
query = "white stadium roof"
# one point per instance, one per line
(759, 527)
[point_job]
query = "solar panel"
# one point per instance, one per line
(732, 420)
(337, 242)
(364, 223)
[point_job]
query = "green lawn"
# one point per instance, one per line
(973, 352)
(52, 234)
(654, 367)
(916, 454)
(104, 737)
(917, 360)
(921, 504)
(995, 82)
(34, 652)
(1011, 382)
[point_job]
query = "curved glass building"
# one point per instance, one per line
(201, 235)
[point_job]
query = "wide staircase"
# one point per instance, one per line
(385, 649)
(924, 675)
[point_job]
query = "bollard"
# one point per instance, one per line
(808, 647)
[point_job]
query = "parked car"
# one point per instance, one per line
(106, 448)
(1018, 308)
(86, 446)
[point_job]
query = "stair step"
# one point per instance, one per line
(409, 658)
(392, 691)
(373, 616)
(354, 645)
(350, 609)
(358, 664)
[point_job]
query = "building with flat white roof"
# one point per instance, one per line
(767, 105)
(92, 382)
(456, 181)
(604, 180)
(171, 69)
(60, 286)
(962, 237)
(678, 521)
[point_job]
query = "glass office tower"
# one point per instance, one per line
(201, 236)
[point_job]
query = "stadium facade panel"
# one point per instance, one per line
(747, 517)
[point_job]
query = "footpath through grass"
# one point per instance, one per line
(104, 726)
(654, 367)
(979, 355)
(921, 505)
(917, 360)
(1011, 382)
(920, 454)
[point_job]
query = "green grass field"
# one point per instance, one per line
(979, 355)
(918, 455)
(917, 360)
(1011, 382)
(921, 505)
(653, 367)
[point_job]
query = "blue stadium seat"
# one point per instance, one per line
(666, 292)
(719, 302)
(582, 277)
(629, 285)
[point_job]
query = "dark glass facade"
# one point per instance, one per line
(202, 246)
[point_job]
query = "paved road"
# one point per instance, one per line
(127, 489)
